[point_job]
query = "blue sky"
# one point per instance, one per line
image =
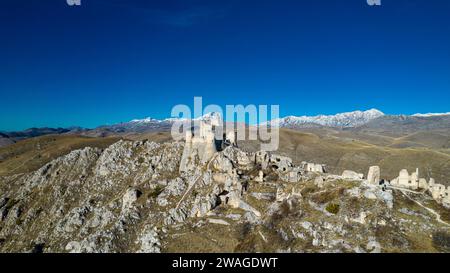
(111, 61)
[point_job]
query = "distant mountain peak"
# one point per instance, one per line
(207, 116)
(431, 114)
(145, 120)
(347, 119)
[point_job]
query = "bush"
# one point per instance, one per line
(441, 241)
(194, 193)
(332, 208)
(155, 192)
(38, 248)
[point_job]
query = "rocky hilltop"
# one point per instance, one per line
(132, 197)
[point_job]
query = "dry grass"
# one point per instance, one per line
(341, 152)
(210, 238)
(326, 196)
(31, 154)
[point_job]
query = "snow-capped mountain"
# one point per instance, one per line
(145, 125)
(149, 120)
(134, 126)
(431, 114)
(145, 120)
(372, 119)
(348, 119)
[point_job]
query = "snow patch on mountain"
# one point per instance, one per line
(146, 120)
(347, 119)
(431, 114)
(207, 116)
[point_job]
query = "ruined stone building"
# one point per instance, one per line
(439, 192)
(202, 141)
(312, 167)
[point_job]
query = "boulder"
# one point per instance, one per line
(130, 196)
(149, 241)
(260, 177)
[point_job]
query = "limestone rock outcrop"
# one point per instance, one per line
(135, 196)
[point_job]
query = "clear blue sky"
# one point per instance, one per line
(111, 61)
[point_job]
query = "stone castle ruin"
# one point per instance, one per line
(312, 167)
(412, 181)
(202, 141)
(438, 191)
(212, 148)
(230, 168)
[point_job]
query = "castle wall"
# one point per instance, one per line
(446, 198)
(312, 167)
(403, 178)
(423, 183)
(439, 192)
(200, 146)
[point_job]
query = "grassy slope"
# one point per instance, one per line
(30, 154)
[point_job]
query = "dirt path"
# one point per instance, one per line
(432, 211)
(191, 186)
(10, 172)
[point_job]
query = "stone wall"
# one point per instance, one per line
(438, 191)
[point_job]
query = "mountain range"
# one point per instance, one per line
(371, 120)
(7, 138)
(343, 120)
(71, 193)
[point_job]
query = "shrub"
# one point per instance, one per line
(441, 241)
(38, 248)
(156, 191)
(332, 208)
(194, 193)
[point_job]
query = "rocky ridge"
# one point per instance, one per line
(131, 197)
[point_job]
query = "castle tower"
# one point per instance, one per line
(373, 176)
(414, 180)
(200, 145)
(431, 183)
(403, 178)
